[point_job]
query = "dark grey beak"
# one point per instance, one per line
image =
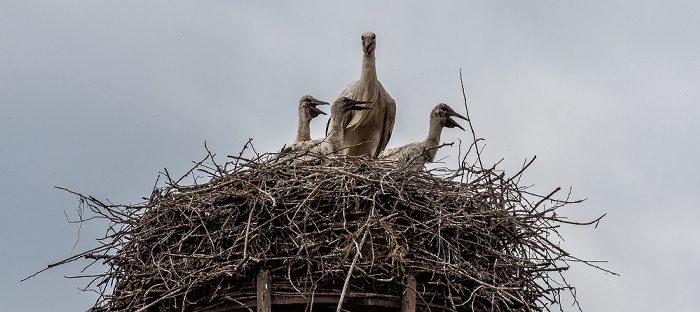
(354, 105)
(357, 107)
(451, 123)
(453, 113)
(315, 111)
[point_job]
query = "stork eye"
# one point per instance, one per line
(374, 36)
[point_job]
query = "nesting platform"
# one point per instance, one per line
(270, 294)
(364, 235)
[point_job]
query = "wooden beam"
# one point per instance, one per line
(264, 297)
(408, 296)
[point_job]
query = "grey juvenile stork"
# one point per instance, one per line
(418, 153)
(307, 111)
(372, 126)
(333, 142)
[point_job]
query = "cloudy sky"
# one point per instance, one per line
(100, 96)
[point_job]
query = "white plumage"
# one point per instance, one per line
(418, 153)
(333, 142)
(372, 126)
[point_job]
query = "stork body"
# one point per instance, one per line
(371, 126)
(416, 154)
(333, 142)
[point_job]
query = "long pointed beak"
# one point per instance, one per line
(455, 114)
(451, 123)
(319, 102)
(357, 102)
(315, 111)
(368, 47)
(354, 105)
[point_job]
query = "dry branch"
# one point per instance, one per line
(475, 245)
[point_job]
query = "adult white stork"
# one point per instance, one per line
(418, 153)
(307, 112)
(371, 126)
(333, 142)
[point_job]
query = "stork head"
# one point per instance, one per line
(307, 107)
(369, 43)
(444, 113)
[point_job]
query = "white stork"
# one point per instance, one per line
(307, 111)
(418, 153)
(371, 126)
(333, 142)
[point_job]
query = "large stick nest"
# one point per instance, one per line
(473, 238)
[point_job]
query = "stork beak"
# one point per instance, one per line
(451, 123)
(453, 113)
(315, 111)
(368, 47)
(354, 105)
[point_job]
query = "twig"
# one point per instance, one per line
(471, 127)
(354, 261)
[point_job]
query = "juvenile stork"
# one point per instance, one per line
(333, 142)
(307, 111)
(371, 126)
(416, 154)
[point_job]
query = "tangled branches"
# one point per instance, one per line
(472, 239)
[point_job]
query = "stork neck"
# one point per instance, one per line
(335, 132)
(303, 130)
(369, 70)
(433, 139)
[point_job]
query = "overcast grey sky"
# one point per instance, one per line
(99, 96)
